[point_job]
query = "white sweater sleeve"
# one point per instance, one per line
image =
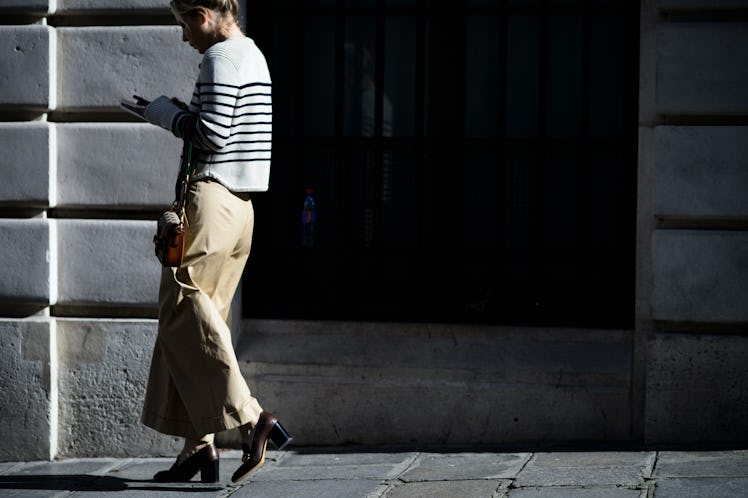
(216, 98)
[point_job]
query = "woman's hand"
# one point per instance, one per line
(162, 112)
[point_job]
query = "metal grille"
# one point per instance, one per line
(472, 162)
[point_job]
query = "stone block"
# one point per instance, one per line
(701, 4)
(344, 488)
(697, 71)
(27, 400)
(103, 371)
(116, 164)
(104, 5)
(522, 384)
(575, 492)
(27, 6)
(25, 275)
(77, 472)
(27, 66)
(330, 466)
(28, 150)
(117, 6)
(107, 263)
(695, 389)
(143, 60)
(692, 163)
(700, 276)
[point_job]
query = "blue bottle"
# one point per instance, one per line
(309, 220)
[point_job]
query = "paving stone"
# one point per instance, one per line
(302, 458)
(574, 493)
(353, 488)
(144, 469)
(76, 466)
(337, 466)
(149, 490)
(446, 489)
(7, 466)
(132, 478)
(702, 464)
(141, 469)
(33, 489)
(465, 466)
(135, 478)
(53, 478)
(586, 469)
(702, 488)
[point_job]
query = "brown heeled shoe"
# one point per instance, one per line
(267, 427)
(205, 460)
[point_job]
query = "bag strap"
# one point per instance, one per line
(187, 167)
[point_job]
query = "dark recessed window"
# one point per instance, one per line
(471, 162)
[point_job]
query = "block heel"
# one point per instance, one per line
(279, 436)
(209, 471)
(204, 461)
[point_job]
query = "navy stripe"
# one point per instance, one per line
(240, 151)
(236, 161)
(249, 142)
(254, 132)
(235, 116)
(213, 102)
(205, 139)
(228, 95)
(198, 84)
(208, 120)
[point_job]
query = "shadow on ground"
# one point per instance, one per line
(84, 482)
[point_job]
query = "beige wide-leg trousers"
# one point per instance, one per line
(195, 386)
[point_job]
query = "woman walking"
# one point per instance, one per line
(195, 387)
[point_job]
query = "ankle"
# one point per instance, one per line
(245, 432)
(192, 446)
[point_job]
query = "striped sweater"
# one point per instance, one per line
(233, 104)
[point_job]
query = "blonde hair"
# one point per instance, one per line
(230, 7)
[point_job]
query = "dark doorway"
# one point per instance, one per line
(471, 161)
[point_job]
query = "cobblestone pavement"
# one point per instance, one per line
(402, 473)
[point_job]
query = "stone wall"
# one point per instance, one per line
(82, 184)
(694, 155)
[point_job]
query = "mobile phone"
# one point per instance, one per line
(140, 100)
